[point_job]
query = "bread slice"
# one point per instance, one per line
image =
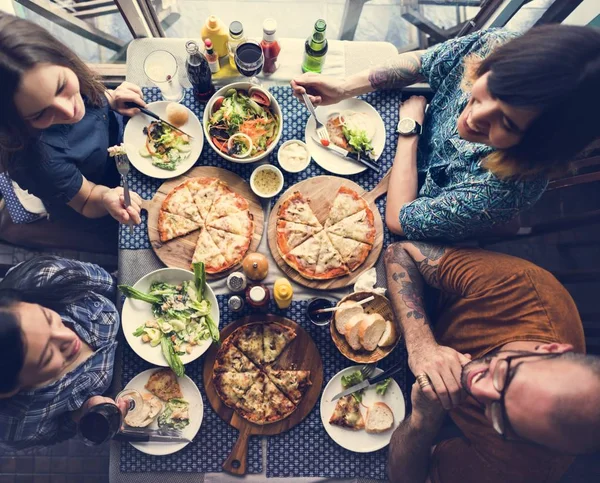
(352, 331)
(370, 331)
(380, 418)
(389, 334)
(344, 313)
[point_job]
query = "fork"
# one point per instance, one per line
(321, 129)
(123, 168)
(367, 370)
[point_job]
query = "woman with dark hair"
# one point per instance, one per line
(507, 113)
(58, 330)
(57, 123)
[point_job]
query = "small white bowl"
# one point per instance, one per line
(266, 167)
(284, 165)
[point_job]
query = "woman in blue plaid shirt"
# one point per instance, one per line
(58, 329)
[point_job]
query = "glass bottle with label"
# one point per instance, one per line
(270, 46)
(315, 48)
(211, 57)
(236, 37)
(199, 73)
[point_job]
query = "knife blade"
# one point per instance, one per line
(138, 436)
(156, 116)
(348, 155)
(370, 382)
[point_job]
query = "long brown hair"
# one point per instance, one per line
(23, 45)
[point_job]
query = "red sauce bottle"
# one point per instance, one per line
(270, 46)
(257, 296)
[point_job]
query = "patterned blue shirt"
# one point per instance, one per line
(457, 197)
(42, 416)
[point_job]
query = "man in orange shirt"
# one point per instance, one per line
(505, 356)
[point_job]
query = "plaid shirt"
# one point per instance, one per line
(42, 416)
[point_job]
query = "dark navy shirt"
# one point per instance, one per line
(70, 152)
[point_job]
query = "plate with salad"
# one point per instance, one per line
(171, 316)
(361, 433)
(158, 150)
(353, 125)
(243, 122)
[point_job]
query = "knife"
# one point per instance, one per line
(141, 437)
(348, 155)
(370, 381)
(155, 116)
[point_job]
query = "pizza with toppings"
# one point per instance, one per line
(347, 414)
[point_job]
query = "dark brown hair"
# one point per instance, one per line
(24, 45)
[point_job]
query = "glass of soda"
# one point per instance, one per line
(249, 59)
(161, 68)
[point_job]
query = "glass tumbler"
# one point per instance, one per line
(161, 68)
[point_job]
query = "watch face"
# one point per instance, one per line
(406, 125)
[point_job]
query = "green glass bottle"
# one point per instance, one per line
(315, 49)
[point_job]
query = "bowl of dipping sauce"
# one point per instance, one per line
(266, 181)
(315, 304)
(293, 156)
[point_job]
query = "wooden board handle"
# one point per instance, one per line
(380, 189)
(236, 462)
(146, 204)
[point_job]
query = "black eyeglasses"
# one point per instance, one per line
(501, 379)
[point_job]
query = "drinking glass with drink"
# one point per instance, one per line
(161, 68)
(249, 59)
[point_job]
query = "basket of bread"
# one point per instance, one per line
(364, 332)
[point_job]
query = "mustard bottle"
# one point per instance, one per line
(283, 293)
(216, 31)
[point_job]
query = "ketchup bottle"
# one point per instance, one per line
(270, 46)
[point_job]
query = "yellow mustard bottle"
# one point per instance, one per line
(283, 293)
(218, 34)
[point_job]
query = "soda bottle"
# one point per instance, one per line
(198, 72)
(315, 49)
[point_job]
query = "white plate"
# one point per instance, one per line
(330, 161)
(134, 138)
(136, 313)
(191, 394)
(361, 441)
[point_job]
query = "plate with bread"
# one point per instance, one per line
(365, 332)
(361, 422)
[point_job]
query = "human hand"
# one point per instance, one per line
(414, 107)
(126, 92)
(443, 367)
(322, 90)
(114, 202)
(425, 411)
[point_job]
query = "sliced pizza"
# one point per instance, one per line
(209, 253)
(329, 263)
(230, 359)
(203, 191)
(293, 384)
(346, 203)
(164, 384)
(296, 208)
(180, 202)
(249, 339)
(240, 223)
(353, 252)
(276, 337)
(347, 414)
(291, 234)
(171, 226)
(304, 257)
(227, 203)
(359, 227)
(251, 405)
(231, 386)
(276, 404)
(232, 246)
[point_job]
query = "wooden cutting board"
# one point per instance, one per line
(178, 252)
(301, 354)
(322, 190)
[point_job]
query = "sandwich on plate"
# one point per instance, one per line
(352, 131)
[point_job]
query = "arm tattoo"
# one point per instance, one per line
(432, 253)
(397, 73)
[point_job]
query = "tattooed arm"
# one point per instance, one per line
(409, 265)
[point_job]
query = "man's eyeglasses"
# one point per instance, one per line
(501, 379)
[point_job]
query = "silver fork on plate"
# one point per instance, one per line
(321, 129)
(367, 370)
(123, 168)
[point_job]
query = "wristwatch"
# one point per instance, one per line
(408, 127)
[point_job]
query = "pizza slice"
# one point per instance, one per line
(251, 405)
(293, 384)
(353, 252)
(227, 203)
(276, 405)
(203, 191)
(304, 257)
(164, 384)
(180, 202)
(230, 359)
(232, 386)
(329, 263)
(171, 226)
(240, 223)
(346, 203)
(249, 339)
(347, 414)
(359, 227)
(296, 208)
(232, 246)
(291, 234)
(209, 253)
(275, 339)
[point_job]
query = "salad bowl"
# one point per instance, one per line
(238, 127)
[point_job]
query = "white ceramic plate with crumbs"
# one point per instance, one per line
(331, 161)
(134, 139)
(360, 441)
(196, 411)
(136, 313)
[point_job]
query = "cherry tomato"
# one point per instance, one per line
(218, 103)
(221, 145)
(324, 142)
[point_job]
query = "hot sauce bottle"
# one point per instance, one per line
(270, 46)
(257, 297)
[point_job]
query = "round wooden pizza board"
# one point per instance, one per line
(321, 191)
(178, 252)
(300, 354)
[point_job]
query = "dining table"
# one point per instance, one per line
(305, 453)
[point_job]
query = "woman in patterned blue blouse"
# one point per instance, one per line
(58, 329)
(507, 113)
